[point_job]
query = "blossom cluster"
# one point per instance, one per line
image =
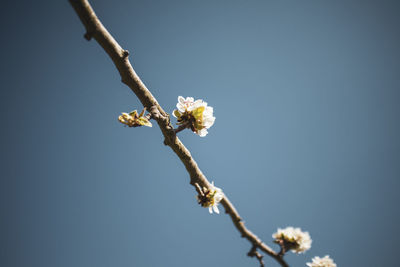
(210, 198)
(293, 239)
(321, 262)
(197, 115)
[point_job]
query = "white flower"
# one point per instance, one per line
(184, 104)
(210, 198)
(217, 196)
(196, 114)
(293, 239)
(321, 262)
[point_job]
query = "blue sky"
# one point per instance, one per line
(306, 99)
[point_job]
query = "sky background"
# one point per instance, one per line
(306, 97)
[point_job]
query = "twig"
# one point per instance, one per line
(182, 127)
(120, 57)
(254, 253)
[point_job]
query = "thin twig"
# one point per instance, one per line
(120, 57)
(182, 127)
(254, 253)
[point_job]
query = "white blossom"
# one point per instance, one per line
(322, 262)
(294, 239)
(185, 104)
(217, 197)
(196, 114)
(211, 198)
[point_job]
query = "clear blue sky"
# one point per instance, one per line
(306, 98)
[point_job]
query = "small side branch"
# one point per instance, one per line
(120, 57)
(182, 127)
(254, 253)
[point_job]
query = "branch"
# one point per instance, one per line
(96, 30)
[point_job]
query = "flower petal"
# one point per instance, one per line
(180, 107)
(208, 122)
(203, 132)
(181, 100)
(216, 209)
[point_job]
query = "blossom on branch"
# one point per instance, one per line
(292, 239)
(321, 262)
(210, 198)
(195, 115)
(133, 119)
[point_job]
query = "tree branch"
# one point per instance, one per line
(96, 30)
